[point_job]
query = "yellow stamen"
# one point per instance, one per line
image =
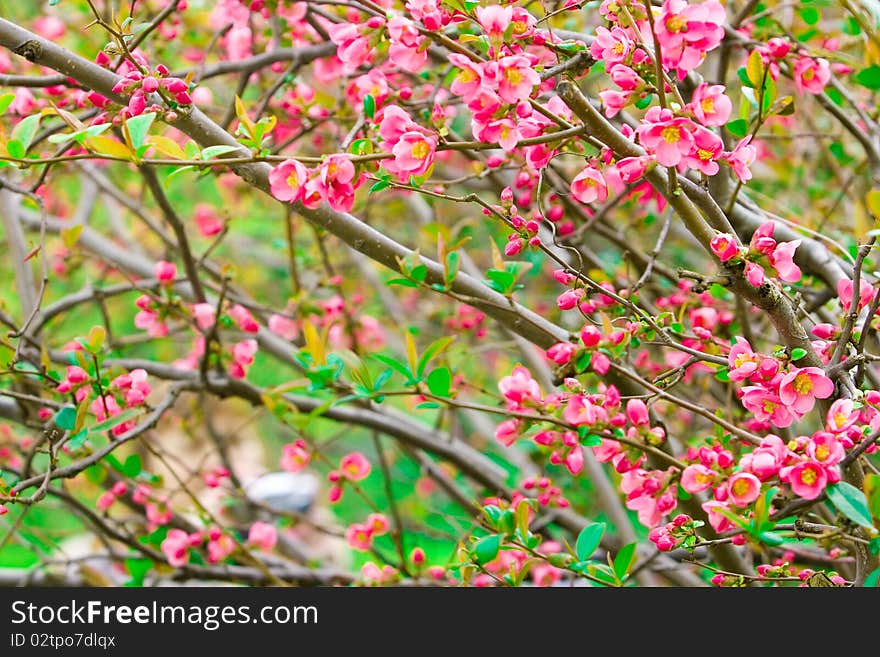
(420, 150)
(803, 384)
(671, 134)
(676, 24)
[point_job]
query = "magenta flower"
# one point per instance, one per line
(589, 186)
(710, 105)
(800, 388)
(741, 157)
(743, 488)
(724, 246)
(175, 547)
(354, 466)
(668, 138)
(743, 361)
(697, 478)
(287, 180)
(708, 147)
(767, 406)
(807, 479)
(811, 75)
(612, 46)
(841, 416)
(845, 293)
(516, 78)
(782, 260)
(263, 536)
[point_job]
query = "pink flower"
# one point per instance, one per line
(784, 264)
(709, 104)
(807, 479)
(204, 314)
(811, 75)
(569, 299)
(516, 78)
(359, 537)
(470, 78)
(826, 449)
(561, 352)
(766, 460)
(600, 363)
(589, 186)
(754, 274)
(667, 137)
(378, 524)
(263, 536)
(106, 501)
(744, 488)
(800, 388)
(579, 410)
(287, 180)
(575, 460)
(354, 466)
(243, 319)
(295, 456)
(243, 356)
(413, 155)
(767, 406)
(207, 221)
(724, 246)
(743, 361)
(165, 272)
(613, 46)
(220, 545)
(637, 412)
(845, 293)
(494, 20)
(632, 169)
(708, 147)
(284, 326)
(519, 388)
(175, 547)
(353, 49)
(842, 415)
(720, 523)
(337, 178)
(697, 478)
(741, 157)
(507, 432)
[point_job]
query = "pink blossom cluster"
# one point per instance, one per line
(776, 396)
(139, 83)
(353, 467)
(413, 147)
(360, 535)
(762, 248)
(177, 545)
(333, 182)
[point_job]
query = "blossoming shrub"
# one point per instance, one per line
(537, 290)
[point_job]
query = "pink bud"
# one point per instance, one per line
(119, 488)
(724, 246)
(335, 494)
(165, 272)
(824, 331)
(637, 412)
(417, 556)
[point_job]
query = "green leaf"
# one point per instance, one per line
(139, 127)
(16, 149)
(138, 569)
(397, 366)
(132, 466)
(624, 560)
(6, 101)
(809, 15)
(379, 186)
(109, 423)
(369, 106)
(771, 538)
(588, 540)
(66, 418)
(851, 502)
(25, 130)
(487, 549)
(216, 151)
(873, 579)
(738, 128)
(797, 353)
(869, 77)
(432, 351)
(440, 381)
(405, 282)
